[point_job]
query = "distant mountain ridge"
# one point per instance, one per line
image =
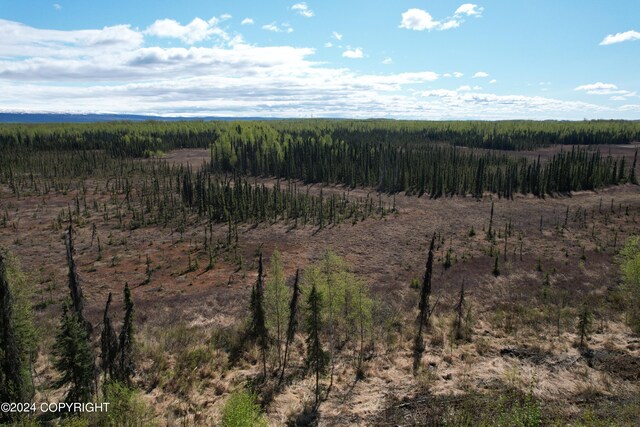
(92, 118)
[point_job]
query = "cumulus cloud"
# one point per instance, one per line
(601, 88)
(480, 75)
(273, 27)
(353, 53)
(597, 86)
(336, 35)
(457, 74)
(620, 37)
(469, 9)
(452, 23)
(387, 61)
(420, 20)
(247, 21)
(493, 81)
(303, 9)
(195, 31)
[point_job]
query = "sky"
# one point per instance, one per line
(418, 59)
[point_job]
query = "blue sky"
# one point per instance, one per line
(402, 59)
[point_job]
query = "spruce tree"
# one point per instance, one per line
(316, 357)
(258, 329)
(423, 306)
(293, 322)
(108, 344)
(73, 358)
(490, 233)
(12, 387)
(77, 298)
(632, 172)
(77, 301)
(460, 308)
(126, 365)
(585, 319)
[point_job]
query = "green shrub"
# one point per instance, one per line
(126, 408)
(241, 410)
(630, 266)
(192, 364)
(511, 409)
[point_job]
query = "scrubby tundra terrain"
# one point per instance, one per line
(555, 254)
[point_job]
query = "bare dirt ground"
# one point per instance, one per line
(513, 343)
(194, 157)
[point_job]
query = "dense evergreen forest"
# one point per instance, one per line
(134, 138)
(436, 158)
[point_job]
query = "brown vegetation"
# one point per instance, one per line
(555, 255)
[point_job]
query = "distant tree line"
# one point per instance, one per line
(137, 139)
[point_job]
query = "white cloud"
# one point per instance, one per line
(621, 92)
(285, 28)
(618, 98)
(57, 6)
(449, 25)
(440, 93)
(596, 86)
(469, 9)
(480, 75)
(467, 88)
(328, 44)
(336, 35)
(494, 81)
(394, 82)
(118, 69)
(303, 9)
(631, 107)
(353, 53)
(271, 27)
(620, 37)
(225, 17)
(418, 20)
(387, 61)
(21, 40)
(247, 21)
(600, 88)
(195, 31)
(457, 74)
